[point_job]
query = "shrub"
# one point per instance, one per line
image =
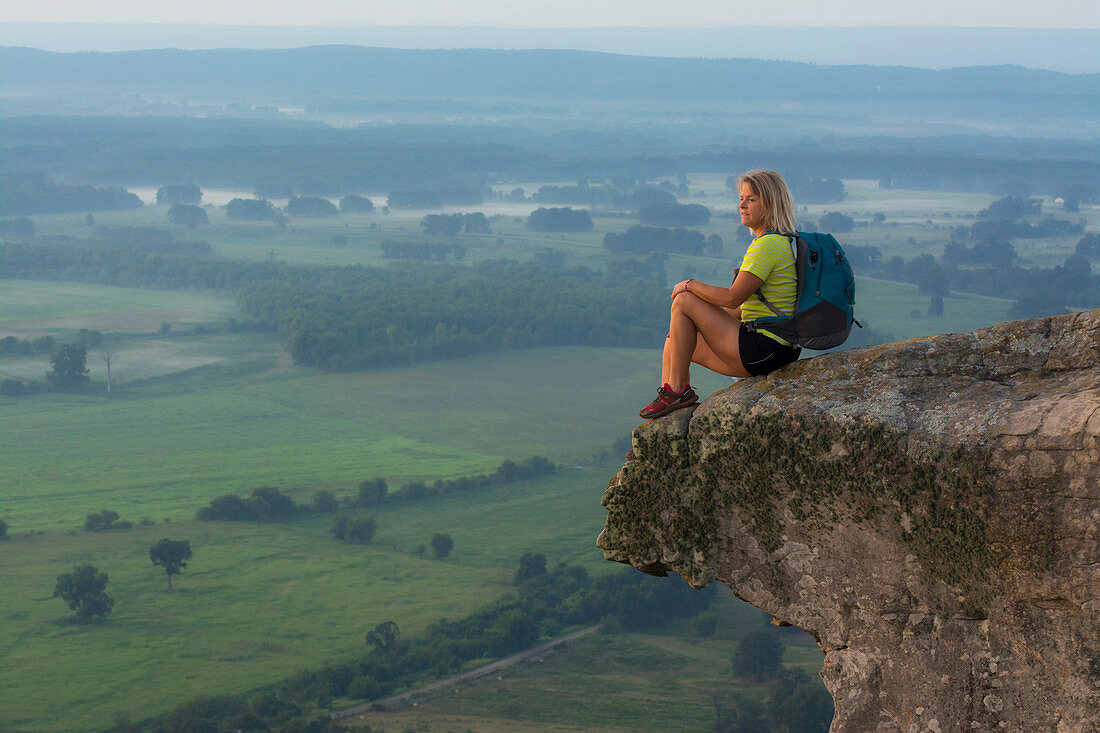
(442, 544)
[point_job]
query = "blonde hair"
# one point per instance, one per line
(775, 197)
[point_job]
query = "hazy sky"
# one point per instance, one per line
(568, 13)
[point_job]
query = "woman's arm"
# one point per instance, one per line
(732, 297)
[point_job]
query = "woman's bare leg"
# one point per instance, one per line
(703, 333)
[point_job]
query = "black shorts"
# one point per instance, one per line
(763, 355)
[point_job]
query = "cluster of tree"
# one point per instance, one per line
(560, 219)
(674, 215)
(796, 704)
(836, 223)
(68, 368)
(640, 239)
(12, 346)
(310, 206)
(1088, 245)
(628, 197)
(358, 530)
(437, 198)
(11, 387)
(105, 520)
(508, 472)
(1038, 291)
(20, 228)
(354, 318)
(251, 210)
(1011, 207)
(150, 240)
(264, 504)
(269, 504)
(187, 215)
(450, 225)
(181, 193)
(817, 191)
(992, 252)
(3, 530)
(356, 204)
(649, 269)
(33, 194)
(84, 590)
(422, 251)
(1045, 228)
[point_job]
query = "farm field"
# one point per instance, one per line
(191, 417)
(260, 602)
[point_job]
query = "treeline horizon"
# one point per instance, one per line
(369, 71)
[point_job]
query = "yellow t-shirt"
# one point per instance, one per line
(770, 258)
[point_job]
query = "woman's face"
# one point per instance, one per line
(752, 209)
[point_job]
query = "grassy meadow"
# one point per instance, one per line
(196, 411)
(259, 602)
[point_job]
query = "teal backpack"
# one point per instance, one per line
(823, 309)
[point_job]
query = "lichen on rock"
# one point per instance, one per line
(928, 510)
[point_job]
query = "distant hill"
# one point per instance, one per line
(357, 71)
(1073, 50)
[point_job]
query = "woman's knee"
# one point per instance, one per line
(685, 302)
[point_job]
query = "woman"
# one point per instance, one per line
(707, 324)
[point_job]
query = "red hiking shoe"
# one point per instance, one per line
(668, 401)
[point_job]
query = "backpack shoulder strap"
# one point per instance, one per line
(794, 253)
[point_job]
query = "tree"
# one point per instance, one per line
(800, 703)
(250, 210)
(1011, 207)
(356, 205)
(442, 544)
(105, 520)
(530, 565)
(310, 206)
(360, 530)
(442, 225)
(372, 492)
(188, 216)
(68, 367)
(324, 502)
(384, 637)
(758, 656)
(476, 223)
(563, 219)
(1088, 245)
(3, 530)
(834, 221)
(106, 357)
(85, 591)
(172, 555)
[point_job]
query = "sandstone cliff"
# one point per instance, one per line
(928, 510)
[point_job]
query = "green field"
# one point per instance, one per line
(260, 602)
